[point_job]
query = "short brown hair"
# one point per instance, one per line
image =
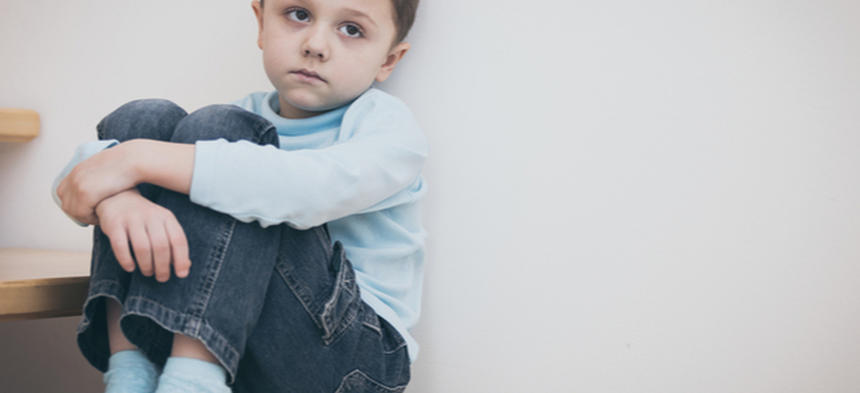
(404, 16)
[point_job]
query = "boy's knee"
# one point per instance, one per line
(151, 118)
(225, 121)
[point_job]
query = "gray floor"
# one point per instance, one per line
(41, 356)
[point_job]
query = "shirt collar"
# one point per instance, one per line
(308, 125)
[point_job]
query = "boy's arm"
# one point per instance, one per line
(166, 164)
(306, 188)
(111, 171)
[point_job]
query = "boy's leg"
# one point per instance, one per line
(142, 119)
(315, 334)
(152, 119)
(231, 261)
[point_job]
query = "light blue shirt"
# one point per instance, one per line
(357, 168)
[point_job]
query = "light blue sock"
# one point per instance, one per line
(189, 375)
(130, 371)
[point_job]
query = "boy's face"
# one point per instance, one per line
(346, 43)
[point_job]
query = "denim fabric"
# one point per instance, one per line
(278, 307)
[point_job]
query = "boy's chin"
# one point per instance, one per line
(311, 104)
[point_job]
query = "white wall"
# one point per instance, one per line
(624, 196)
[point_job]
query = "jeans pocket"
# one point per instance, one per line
(359, 382)
(343, 305)
(390, 340)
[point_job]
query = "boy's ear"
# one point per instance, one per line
(391, 60)
(255, 5)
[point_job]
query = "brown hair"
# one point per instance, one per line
(404, 15)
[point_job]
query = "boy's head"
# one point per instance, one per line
(320, 54)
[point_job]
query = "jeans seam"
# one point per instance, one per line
(334, 333)
(322, 317)
(291, 283)
(399, 347)
(189, 325)
(341, 281)
(372, 327)
(102, 288)
(358, 375)
(216, 256)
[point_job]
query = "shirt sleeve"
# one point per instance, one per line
(307, 188)
(84, 150)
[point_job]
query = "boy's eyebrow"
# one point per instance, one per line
(360, 14)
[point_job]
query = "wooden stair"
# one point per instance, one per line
(38, 283)
(18, 125)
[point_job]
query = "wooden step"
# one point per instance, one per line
(18, 125)
(38, 283)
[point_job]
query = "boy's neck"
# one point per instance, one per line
(290, 112)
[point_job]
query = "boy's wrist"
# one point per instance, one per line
(166, 164)
(104, 204)
(135, 155)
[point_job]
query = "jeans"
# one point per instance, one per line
(278, 307)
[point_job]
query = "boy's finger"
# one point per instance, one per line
(160, 249)
(119, 244)
(142, 250)
(179, 245)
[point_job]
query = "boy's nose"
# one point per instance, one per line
(317, 53)
(315, 44)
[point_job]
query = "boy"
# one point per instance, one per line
(249, 202)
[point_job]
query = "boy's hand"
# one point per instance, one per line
(153, 230)
(96, 178)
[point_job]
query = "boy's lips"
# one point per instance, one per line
(307, 74)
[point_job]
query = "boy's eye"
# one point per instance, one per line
(351, 30)
(298, 15)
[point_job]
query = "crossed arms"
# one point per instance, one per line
(101, 191)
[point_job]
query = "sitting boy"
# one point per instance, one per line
(256, 206)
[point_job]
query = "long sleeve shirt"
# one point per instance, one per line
(356, 168)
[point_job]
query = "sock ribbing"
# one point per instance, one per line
(188, 375)
(130, 371)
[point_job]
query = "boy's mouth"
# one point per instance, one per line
(308, 74)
